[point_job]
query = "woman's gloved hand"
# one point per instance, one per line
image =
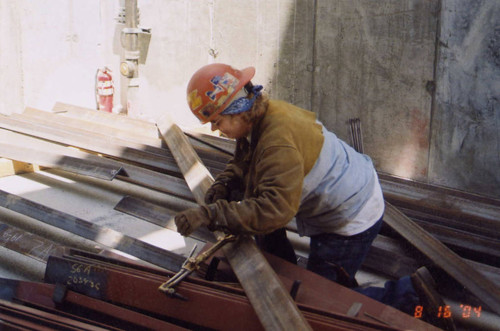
(191, 219)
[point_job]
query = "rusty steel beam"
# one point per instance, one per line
(205, 304)
(451, 263)
(27, 318)
(92, 231)
(315, 292)
(203, 308)
(57, 299)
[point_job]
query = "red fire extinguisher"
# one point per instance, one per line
(104, 89)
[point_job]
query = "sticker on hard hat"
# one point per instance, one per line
(194, 100)
(225, 83)
(207, 111)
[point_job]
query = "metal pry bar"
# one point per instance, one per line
(191, 264)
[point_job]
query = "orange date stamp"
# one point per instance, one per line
(464, 311)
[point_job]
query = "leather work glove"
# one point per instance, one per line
(217, 191)
(191, 219)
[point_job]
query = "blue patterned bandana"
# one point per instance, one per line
(243, 104)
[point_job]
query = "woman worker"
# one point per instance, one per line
(287, 164)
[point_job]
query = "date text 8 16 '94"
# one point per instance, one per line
(445, 312)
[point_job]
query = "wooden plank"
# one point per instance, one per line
(13, 167)
(100, 234)
(93, 168)
(272, 303)
(451, 263)
(130, 135)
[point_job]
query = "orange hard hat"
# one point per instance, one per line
(212, 88)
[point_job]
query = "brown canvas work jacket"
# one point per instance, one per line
(285, 145)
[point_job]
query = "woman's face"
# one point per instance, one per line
(232, 126)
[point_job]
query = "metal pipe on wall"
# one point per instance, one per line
(131, 43)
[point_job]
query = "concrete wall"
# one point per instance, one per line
(11, 77)
(428, 112)
(373, 61)
(465, 149)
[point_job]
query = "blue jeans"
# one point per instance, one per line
(338, 258)
(399, 294)
(330, 252)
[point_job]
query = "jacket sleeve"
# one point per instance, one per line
(279, 174)
(237, 166)
(231, 174)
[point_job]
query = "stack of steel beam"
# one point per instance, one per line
(114, 147)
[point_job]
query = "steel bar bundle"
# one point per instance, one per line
(132, 151)
(356, 134)
(127, 284)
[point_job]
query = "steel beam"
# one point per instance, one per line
(27, 318)
(316, 293)
(130, 173)
(140, 127)
(92, 231)
(215, 156)
(157, 215)
(99, 143)
(61, 301)
(205, 304)
(454, 265)
(452, 204)
(216, 160)
(29, 244)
